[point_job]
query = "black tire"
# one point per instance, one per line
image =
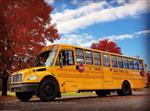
(126, 89)
(102, 92)
(24, 96)
(48, 90)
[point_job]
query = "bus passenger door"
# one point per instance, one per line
(66, 70)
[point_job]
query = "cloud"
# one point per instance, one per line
(119, 2)
(144, 32)
(69, 14)
(118, 37)
(71, 20)
(74, 2)
(127, 36)
(83, 2)
(51, 2)
(85, 40)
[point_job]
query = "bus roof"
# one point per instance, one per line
(69, 45)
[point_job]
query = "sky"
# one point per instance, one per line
(83, 22)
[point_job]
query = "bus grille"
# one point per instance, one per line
(17, 78)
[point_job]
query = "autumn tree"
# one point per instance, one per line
(106, 45)
(25, 26)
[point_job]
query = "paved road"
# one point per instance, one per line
(139, 101)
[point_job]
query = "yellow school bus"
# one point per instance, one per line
(64, 68)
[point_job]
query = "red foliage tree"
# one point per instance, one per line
(25, 25)
(107, 45)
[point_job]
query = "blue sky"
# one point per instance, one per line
(82, 22)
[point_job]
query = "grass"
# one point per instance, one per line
(9, 93)
(78, 94)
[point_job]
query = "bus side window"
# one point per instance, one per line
(88, 56)
(114, 61)
(136, 67)
(106, 60)
(70, 57)
(79, 56)
(97, 59)
(67, 58)
(120, 62)
(131, 63)
(141, 65)
(126, 63)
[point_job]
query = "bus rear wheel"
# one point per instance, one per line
(24, 96)
(48, 90)
(102, 92)
(126, 89)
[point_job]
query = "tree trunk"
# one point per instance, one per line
(4, 83)
(4, 86)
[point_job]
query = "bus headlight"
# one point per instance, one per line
(33, 77)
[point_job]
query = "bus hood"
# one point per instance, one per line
(31, 70)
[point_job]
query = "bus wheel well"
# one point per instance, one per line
(126, 82)
(125, 89)
(49, 77)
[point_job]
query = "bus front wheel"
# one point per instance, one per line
(126, 89)
(48, 90)
(24, 96)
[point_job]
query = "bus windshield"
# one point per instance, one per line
(46, 58)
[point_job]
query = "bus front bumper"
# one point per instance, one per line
(25, 87)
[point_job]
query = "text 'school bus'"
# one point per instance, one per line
(66, 68)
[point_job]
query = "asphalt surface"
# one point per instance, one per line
(139, 101)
